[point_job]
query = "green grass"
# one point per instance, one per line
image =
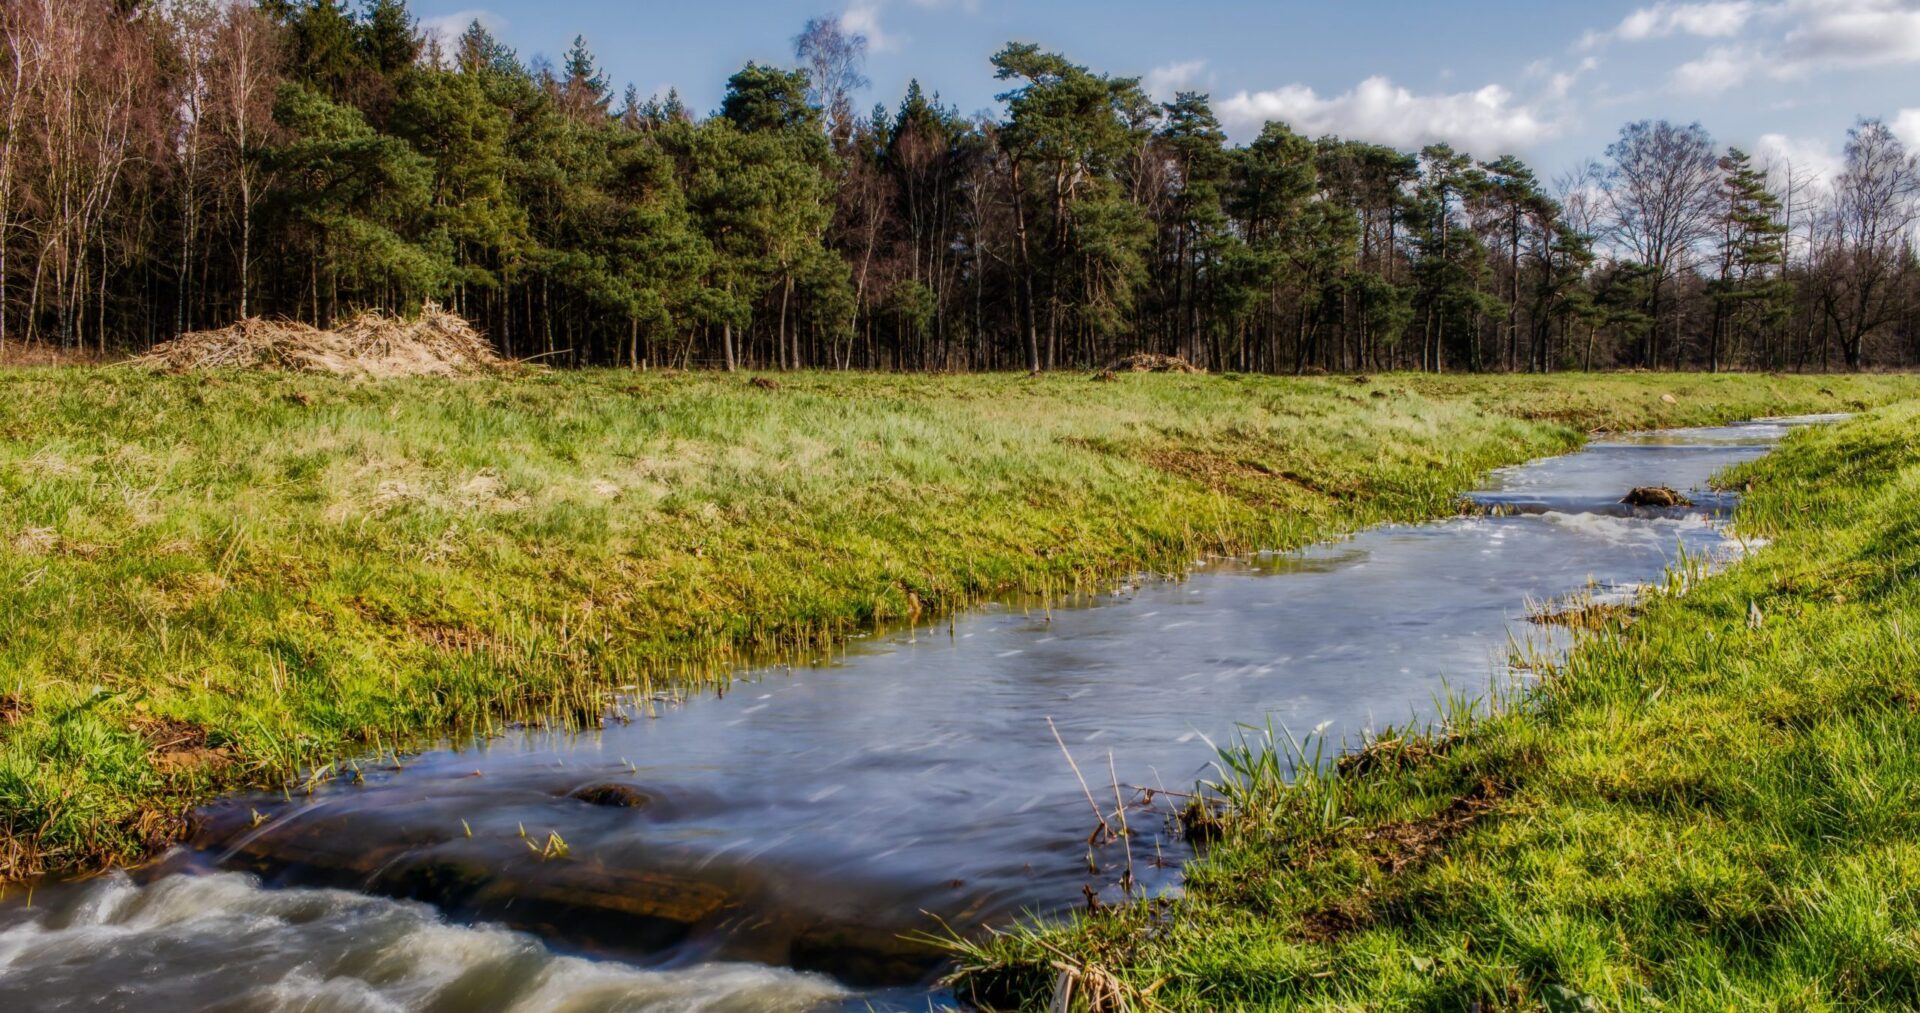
(1714, 807)
(213, 581)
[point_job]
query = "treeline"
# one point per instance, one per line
(169, 166)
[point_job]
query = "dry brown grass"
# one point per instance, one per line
(19, 353)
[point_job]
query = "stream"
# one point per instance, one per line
(767, 847)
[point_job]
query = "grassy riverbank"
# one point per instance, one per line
(218, 580)
(1716, 807)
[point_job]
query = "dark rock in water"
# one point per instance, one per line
(624, 796)
(602, 901)
(1656, 496)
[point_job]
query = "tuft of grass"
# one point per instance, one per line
(226, 579)
(1715, 807)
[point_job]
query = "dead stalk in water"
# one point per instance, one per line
(1097, 814)
(1120, 809)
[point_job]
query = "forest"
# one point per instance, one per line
(173, 165)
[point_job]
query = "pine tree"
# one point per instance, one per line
(325, 49)
(1193, 135)
(359, 203)
(584, 91)
(1749, 245)
(388, 37)
(769, 99)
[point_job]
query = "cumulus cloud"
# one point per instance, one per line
(1781, 40)
(1852, 33)
(1558, 84)
(1815, 163)
(1906, 125)
(1720, 19)
(1489, 120)
(1165, 81)
(1721, 69)
(862, 17)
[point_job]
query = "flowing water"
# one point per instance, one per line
(767, 848)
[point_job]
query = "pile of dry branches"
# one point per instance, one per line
(372, 345)
(1147, 362)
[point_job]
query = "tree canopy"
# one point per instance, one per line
(307, 158)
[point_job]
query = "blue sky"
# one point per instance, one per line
(1550, 81)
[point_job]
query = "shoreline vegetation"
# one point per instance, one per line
(227, 579)
(1710, 805)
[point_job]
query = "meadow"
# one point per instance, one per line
(1714, 803)
(225, 579)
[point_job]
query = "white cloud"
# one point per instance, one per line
(1906, 124)
(447, 28)
(1783, 40)
(1815, 163)
(862, 17)
(1559, 84)
(1721, 69)
(1165, 81)
(1851, 33)
(1716, 20)
(1711, 20)
(1487, 121)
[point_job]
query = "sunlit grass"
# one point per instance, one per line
(1715, 807)
(227, 579)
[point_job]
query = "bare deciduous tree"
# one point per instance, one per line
(24, 57)
(1869, 240)
(1659, 194)
(832, 57)
(241, 81)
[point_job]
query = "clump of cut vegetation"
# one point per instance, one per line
(371, 345)
(1148, 362)
(223, 578)
(1655, 496)
(1712, 808)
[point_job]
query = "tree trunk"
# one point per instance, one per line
(1026, 270)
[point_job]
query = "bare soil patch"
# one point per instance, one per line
(179, 747)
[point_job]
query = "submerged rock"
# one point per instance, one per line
(622, 796)
(1656, 496)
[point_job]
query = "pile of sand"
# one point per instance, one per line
(373, 345)
(1147, 362)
